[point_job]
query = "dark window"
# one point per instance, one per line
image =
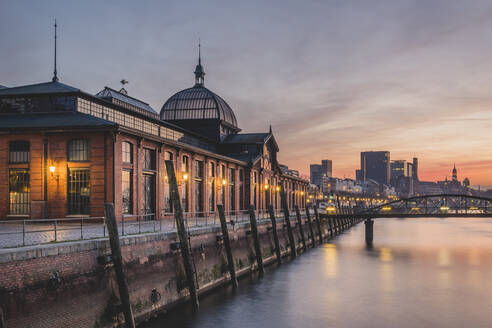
(19, 152)
(168, 208)
(149, 159)
(79, 191)
(149, 196)
(232, 189)
(127, 152)
(211, 190)
(78, 150)
(19, 192)
(241, 189)
(198, 176)
(127, 192)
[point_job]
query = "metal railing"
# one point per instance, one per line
(16, 233)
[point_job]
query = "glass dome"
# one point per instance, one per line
(197, 103)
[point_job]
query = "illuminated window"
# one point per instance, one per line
(127, 152)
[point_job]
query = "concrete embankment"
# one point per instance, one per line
(73, 284)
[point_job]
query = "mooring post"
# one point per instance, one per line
(182, 234)
(330, 227)
(227, 244)
(318, 223)
(114, 242)
(256, 239)
(285, 208)
(369, 231)
(310, 223)
(301, 229)
(275, 235)
(2, 319)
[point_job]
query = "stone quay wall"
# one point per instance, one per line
(70, 284)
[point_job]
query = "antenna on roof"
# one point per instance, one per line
(55, 77)
(123, 90)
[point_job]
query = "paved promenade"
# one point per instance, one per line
(17, 234)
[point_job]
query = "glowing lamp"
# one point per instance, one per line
(266, 187)
(52, 169)
(224, 182)
(278, 188)
(185, 176)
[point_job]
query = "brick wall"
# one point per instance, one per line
(87, 292)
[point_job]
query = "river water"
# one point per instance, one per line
(419, 273)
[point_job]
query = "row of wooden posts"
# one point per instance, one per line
(335, 226)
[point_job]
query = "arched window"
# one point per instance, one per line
(127, 152)
(78, 150)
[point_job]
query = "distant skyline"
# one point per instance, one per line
(333, 78)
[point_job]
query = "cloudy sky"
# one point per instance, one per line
(333, 78)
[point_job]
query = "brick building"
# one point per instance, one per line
(64, 152)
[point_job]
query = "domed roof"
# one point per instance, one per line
(197, 103)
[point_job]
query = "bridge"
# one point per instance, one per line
(437, 205)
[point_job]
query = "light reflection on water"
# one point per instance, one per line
(420, 273)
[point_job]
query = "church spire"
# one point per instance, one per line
(55, 74)
(199, 72)
(455, 173)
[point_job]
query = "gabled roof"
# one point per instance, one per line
(250, 138)
(246, 138)
(39, 88)
(248, 158)
(52, 120)
(111, 93)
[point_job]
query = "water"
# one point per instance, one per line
(420, 273)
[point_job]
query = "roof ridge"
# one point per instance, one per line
(62, 85)
(143, 102)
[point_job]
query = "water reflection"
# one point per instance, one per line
(420, 273)
(330, 260)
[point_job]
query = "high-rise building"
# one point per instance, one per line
(398, 169)
(358, 175)
(320, 173)
(375, 165)
(326, 167)
(415, 168)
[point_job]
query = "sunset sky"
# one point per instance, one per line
(333, 78)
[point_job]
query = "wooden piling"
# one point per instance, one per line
(330, 226)
(369, 232)
(256, 239)
(227, 244)
(114, 242)
(301, 229)
(285, 208)
(182, 234)
(310, 224)
(275, 235)
(318, 223)
(2, 319)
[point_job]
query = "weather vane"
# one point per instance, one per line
(123, 82)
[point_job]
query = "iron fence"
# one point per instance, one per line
(29, 232)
